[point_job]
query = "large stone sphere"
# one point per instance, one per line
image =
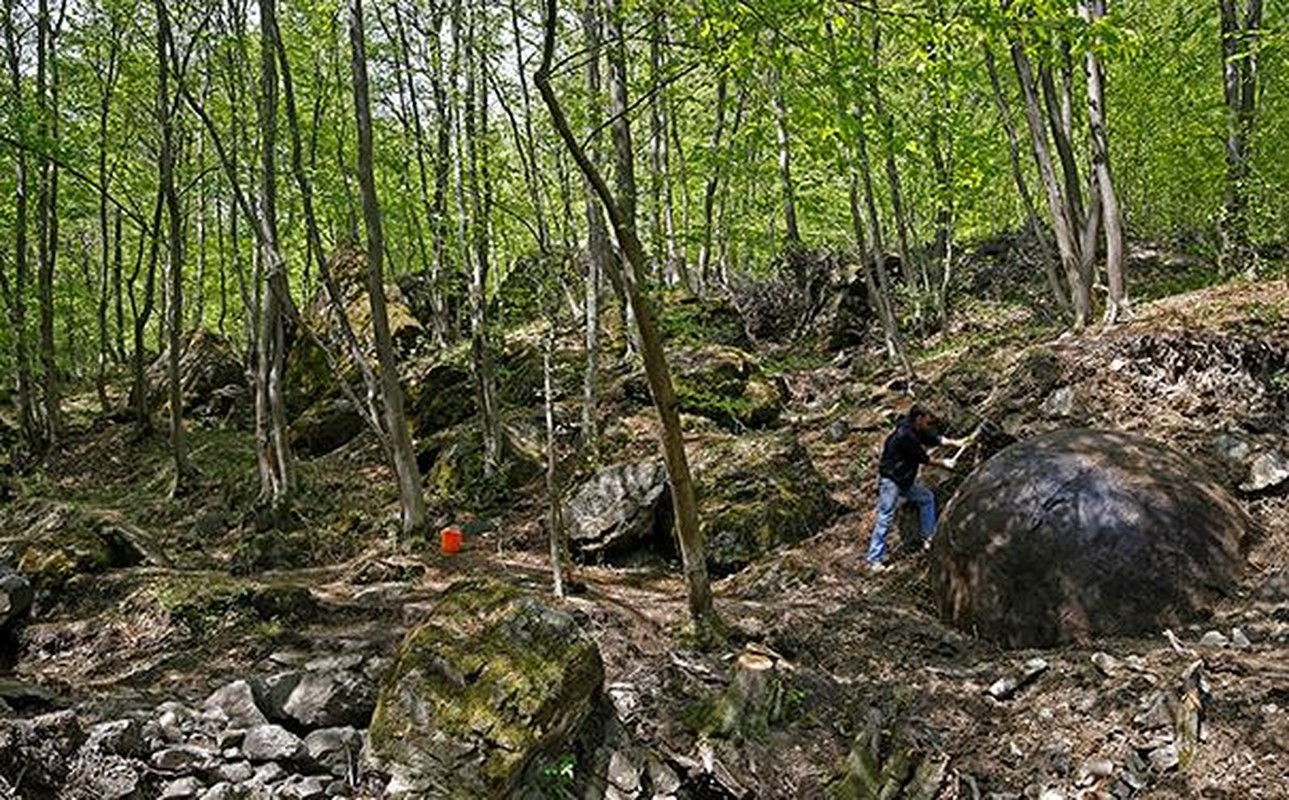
(1080, 534)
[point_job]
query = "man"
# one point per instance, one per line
(902, 453)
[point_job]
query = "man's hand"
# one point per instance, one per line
(950, 463)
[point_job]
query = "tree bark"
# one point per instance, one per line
(17, 293)
(598, 251)
(1032, 223)
(409, 479)
(712, 183)
(692, 547)
(174, 235)
(791, 232)
(1117, 300)
(1240, 40)
(1062, 226)
(47, 228)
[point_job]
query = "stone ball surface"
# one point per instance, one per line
(1080, 534)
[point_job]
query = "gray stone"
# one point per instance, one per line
(15, 597)
(1163, 759)
(1059, 403)
(41, 749)
(662, 778)
(237, 701)
(235, 772)
(334, 749)
(272, 743)
(620, 509)
(182, 789)
(230, 737)
(837, 431)
(1239, 641)
(121, 737)
(305, 788)
(1213, 639)
(1269, 470)
(266, 774)
(624, 771)
(104, 777)
(182, 759)
(272, 693)
(339, 788)
(331, 698)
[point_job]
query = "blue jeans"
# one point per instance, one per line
(888, 500)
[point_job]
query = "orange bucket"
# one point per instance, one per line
(450, 541)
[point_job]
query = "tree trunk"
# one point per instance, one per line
(409, 479)
(18, 292)
(1032, 223)
(174, 309)
(47, 228)
(692, 547)
(791, 231)
(713, 182)
(867, 232)
(598, 253)
(473, 137)
(1116, 301)
(1062, 226)
(886, 124)
(106, 75)
(554, 514)
(273, 439)
(1240, 40)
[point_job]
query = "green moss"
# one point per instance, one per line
(493, 668)
(205, 602)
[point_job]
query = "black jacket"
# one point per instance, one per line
(903, 452)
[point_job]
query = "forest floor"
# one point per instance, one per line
(867, 657)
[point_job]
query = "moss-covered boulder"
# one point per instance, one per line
(757, 493)
(691, 321)
(208, 362)
(52, 543)
(483, 696)
(441, 397)
(726, 385)
(327, 425)
(452, 462)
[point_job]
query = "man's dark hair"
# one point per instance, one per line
(917, 412)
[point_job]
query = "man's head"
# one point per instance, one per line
(922, 419)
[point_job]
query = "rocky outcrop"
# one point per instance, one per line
(483, 695)
(208, 364)
(620, 510)
(1081, 534)
(755, 493)
(327, 425)
(53, 543)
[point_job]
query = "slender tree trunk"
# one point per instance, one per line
(118, 299)
(867, 231)
(1055, 103)
(713, 182)
(619, 108)
(18, 293)
(1022, 186)
(598, 251)
(409, 479)
(1062, 226)
(791, 231)
(474, 115)
(272, 439)
(692, 547)
(1240, 40)
(1117, 300)
(443, 330)
(536, 187)
(106, 75)
(47, 227)
(174, 309)
(554, 513)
